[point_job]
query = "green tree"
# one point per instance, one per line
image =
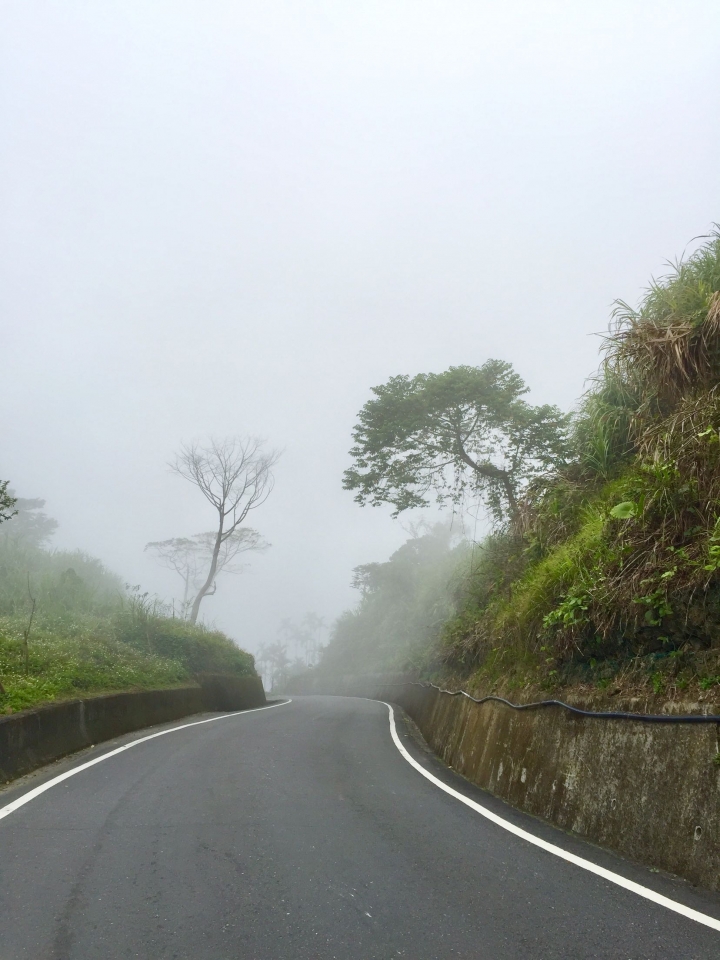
(7, 502)
(465, 430)
(30, 527)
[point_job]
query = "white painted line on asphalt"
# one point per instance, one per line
(31, 794)
(588, 865)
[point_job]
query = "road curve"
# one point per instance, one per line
(301, 833)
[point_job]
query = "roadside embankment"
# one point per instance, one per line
(649, 791)
(30, 739)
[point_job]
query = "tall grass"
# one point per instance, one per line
(668, 349)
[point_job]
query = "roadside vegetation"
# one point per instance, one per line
(69, 627)
(602, 570)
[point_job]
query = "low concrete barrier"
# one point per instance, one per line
(30, 739)
(651, 792)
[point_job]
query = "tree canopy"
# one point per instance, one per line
(465, 430)
(29, 524)
(7, 501)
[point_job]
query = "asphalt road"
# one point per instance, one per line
(299, 832)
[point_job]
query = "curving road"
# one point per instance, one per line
(301, 832)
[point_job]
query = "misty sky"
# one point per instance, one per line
(234, 217)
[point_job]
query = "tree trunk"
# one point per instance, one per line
(510, 494)
(211, 574)
(491, 472)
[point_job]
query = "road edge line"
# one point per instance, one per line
(588, 865)
(37, 791)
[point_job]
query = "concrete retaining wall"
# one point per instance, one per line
(651, 792)
(222, 691)
(35, 737)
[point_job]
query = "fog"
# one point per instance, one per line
(235, 218)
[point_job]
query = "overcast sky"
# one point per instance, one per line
(234, 217)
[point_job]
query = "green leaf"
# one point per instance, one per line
(624, 510)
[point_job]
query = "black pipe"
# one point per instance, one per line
(602, 715)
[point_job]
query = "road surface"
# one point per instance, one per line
(301, 832)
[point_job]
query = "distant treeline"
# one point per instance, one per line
(403, 608)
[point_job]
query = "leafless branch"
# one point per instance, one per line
(235, 476)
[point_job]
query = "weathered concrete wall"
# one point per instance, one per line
(649, 791)
(36, 737)
(222, 691)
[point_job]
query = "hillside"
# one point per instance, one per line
(69, 627)
(607, 576)
(610, 575)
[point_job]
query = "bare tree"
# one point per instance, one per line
(180, 554)
(235, 476)
(190, 558)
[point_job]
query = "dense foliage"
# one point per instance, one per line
(465, 430)
(61, 581)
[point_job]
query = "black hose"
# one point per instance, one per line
(602, 715)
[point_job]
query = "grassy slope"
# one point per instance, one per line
(86, 654)
(89, 634)
(543, 633)
(65, 666)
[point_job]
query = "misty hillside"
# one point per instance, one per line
(607, 572)
(404, 604)
(69, 627)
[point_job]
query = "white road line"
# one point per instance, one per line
(32, 794)
(588, 865)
